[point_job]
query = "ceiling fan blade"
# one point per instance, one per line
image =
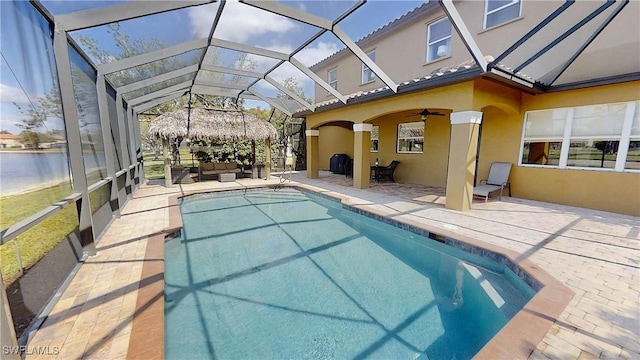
(426, 112)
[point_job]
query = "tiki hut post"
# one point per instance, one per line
(267, 157)
(167, 163)
(253, 152)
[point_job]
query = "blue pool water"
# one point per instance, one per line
(290, 275)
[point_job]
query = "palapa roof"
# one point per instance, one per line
(212, 124)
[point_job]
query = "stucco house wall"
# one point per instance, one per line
(503, 108)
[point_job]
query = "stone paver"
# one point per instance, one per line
(596, 254)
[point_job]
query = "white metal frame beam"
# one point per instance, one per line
(270, 102)
(105, 15)
(209, 90)
(222, 85)
(318, 79)
(293, 95)
(157, 79)
(457, 22)
(249, 49)
(142, 59)
(154, 95)
(226, 70)
(150, 104)
(355, 49)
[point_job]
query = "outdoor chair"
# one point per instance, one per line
(498, 180)
(382, 173)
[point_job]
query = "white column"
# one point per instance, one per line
(463, 149)
(361, 154)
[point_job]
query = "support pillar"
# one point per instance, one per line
(105, 122)
(74, 140)
(313, 158)
(361, 154)
(267, 158)
(8, 337)
(463, 148)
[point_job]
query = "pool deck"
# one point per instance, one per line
(595, 254)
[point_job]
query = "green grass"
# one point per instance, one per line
(15, 208)
(36, 242)
(154, 169)
(99, 197)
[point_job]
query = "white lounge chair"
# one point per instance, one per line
(498, 180)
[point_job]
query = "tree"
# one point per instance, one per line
(296, 126)
(29, 138)
(36, 115)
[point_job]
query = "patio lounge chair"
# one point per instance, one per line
(498, 180)
(385, 172)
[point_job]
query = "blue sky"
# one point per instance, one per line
(240, 23)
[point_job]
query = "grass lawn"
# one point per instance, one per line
(36, 242)
(154, 169)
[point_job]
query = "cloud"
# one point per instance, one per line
(239, 22)
(10, 94)
(245, 24)
(313, 55)
(10, 117)
(307, 56)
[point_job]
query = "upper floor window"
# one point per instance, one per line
(367, 74)
(332, 78)
(596, 136)
(375, 131)
(410, 137)
(439, 40)
(499, 11)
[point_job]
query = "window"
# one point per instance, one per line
(439, 40)
(374, 138)
(633, 152)
(411, 137)
(367, 74)
(603, 136)
(332, 78)
(500, 11)
(544, 131)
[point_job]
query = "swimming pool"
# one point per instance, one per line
(287, 274)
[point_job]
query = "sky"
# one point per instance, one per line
(240, 23)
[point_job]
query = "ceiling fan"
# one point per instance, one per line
(424, 113)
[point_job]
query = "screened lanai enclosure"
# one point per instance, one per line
(76, 75)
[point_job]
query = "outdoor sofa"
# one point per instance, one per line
(213, 170)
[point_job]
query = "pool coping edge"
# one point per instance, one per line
(516, 340)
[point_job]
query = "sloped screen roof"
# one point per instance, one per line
(153, 51)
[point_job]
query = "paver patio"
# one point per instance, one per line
(596, 254)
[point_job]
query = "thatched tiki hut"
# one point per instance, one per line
(212, 124)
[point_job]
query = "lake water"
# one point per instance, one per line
(21, 171)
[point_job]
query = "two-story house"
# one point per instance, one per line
(552, 87)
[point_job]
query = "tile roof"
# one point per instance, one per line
(381, 31)
(444, 73)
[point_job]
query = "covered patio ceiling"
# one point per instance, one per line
(247, 49)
